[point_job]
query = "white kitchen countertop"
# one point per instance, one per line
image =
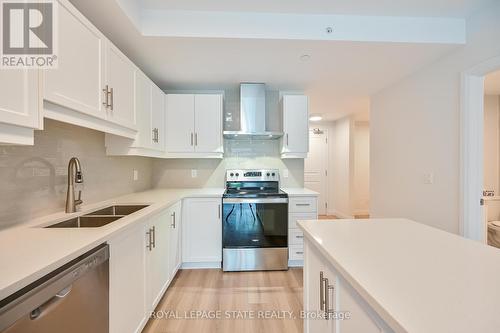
(28, 252)
(419, 279)
(299, 192)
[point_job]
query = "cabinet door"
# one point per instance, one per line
(362, 317)
(157, 267)
(295, 124)
(175, 239)
(202, 230)
(315, 292)
(143, 110)
(126, 281)
(120, 76)
(158, 116)
(20, 102)
(180, 123)
(77, 83)
(208, 123)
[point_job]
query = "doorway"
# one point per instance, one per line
(473, 216)
(316, 167)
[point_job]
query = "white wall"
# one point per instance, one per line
(361, 167)
(415, 131)
(342, 170)
(491, 143)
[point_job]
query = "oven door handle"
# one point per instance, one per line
(254, 200)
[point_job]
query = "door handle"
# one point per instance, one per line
(191, 139)
(218, 210)
(173, 220)
(195, 139)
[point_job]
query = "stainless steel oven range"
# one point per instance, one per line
(255, 221)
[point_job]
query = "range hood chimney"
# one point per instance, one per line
(252, 114)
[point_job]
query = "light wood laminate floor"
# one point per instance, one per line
(234, 297)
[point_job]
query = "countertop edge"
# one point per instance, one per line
(109, 231)
(372, 302)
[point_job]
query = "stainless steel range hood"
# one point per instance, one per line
(252, 122)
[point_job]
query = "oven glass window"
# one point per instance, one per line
(250, 225)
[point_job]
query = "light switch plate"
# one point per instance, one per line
(194, 173)
(136, 175)
(429, 178)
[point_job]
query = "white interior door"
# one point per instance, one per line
(316, 166)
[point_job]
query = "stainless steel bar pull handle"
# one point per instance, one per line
(287, 139)
(150, 235)
(327, 298)
(195, 139)
(218, 210)
(328, 310)
(154, 237)
(192, 139)
(106, 97)
(321, 292)
(111, 104)
(173, 220)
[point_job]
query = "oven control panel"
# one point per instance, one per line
(252, 175)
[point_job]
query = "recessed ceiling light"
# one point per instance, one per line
(305, 57)
(315, 117)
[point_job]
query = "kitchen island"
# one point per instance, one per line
(397, 275)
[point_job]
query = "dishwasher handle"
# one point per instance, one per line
(39, 311)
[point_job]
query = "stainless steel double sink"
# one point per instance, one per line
(99, 217)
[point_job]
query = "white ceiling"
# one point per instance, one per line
(445, 8)
(339, 77)
(492, 83)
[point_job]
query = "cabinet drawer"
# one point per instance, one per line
(293, 218)
(302, 205)
(296, 252)
(295, 237)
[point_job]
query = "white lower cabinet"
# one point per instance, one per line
(299, 208)
(127, 285)
(157, 258)
(143, 262)
(175, 245)
(202, 232)
(330, 302)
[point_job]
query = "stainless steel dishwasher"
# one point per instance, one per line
(73, 298)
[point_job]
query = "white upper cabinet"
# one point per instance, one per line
(143, 104)
(119, 79)
(194, 125)
(157, 129)
(77, 83)
(20, 106)
(295, 141)
(208, 123)
(180, 123)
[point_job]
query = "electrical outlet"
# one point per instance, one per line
(285, 173)
(136, 175)
(429, 178)
(194, 173)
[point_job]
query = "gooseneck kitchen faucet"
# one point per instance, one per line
(74, 176)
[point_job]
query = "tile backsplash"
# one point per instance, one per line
(245, 154)
(33, 179)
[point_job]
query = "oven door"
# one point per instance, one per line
(255, 223)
